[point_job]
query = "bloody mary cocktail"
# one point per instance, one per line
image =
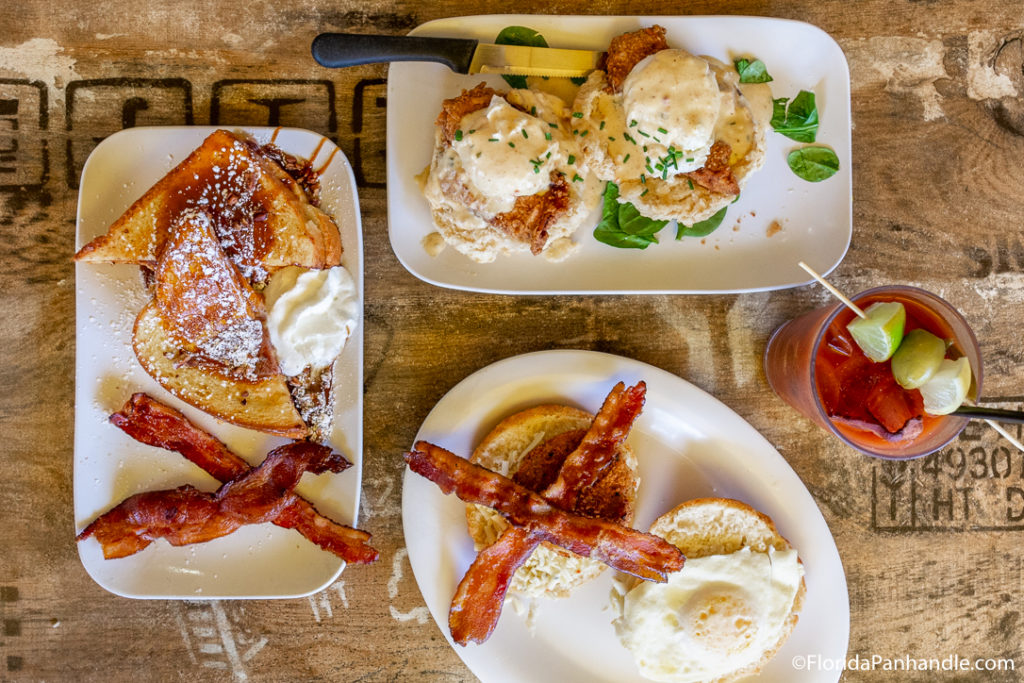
(813, 363)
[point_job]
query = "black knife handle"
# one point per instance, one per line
(352, 49)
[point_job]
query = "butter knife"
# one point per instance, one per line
(461, 55)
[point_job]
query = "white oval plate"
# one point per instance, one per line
(259, 561)
(689, 445)
(816, 218)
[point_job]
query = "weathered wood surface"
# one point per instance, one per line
(931, 548)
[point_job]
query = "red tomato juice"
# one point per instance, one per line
(860, 396)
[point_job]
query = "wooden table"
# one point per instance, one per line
(930, 547)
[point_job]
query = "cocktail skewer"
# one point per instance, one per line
(835, 292)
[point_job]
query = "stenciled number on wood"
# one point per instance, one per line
(974, 484)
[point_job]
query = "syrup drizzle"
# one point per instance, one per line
(327, 163)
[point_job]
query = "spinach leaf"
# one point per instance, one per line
(702, 228)
(622, 225)
(813, 164)
(519, 35)
(752, 71)
(798, 119)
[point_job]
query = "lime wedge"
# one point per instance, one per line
(947, 388)
(917, 358)
(879, 335)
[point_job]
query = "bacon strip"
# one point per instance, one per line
(155, 424)
(599, 447)
(187, 515)
(627, 550)
(481, 593)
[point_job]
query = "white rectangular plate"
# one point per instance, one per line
(741, 256)
(688, 445)
(259, 561)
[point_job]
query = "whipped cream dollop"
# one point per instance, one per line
(310, 315)
(506, 152)
(673, 97)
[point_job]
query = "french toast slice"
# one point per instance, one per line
(264, 403)
(263, 220)
(208, 307)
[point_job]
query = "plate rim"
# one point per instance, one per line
(574, 361)
(335, 156)
(845, 149)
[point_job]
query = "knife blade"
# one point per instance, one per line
(461, 55)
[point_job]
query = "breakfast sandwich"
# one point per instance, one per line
(727, 611)
(676, 132)
(250, 304)
(530, 447)
(507, 175)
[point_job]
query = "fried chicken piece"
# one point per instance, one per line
(187, 515)
(150, 422)
(533, 215)
(626, 51)
(454, 109)
(716, 175)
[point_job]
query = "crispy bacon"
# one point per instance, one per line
(626, 51)
(627, 550)
(716, 175)
(479, 597)
(600, 445)
(452, 110)
(481, 593)
(187, 515)
(153, 423)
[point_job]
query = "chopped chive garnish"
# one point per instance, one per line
(524, 134)
(663, 131)
(493, 140)
(688, 159)
(547, 135)
(576, 178)
(512, 145)
(536, 169)
(553, 125)
(472, 131)
(643, 133)
(458, 135)
(629, 137)
(657, 139)
(533, 111)
(584, 133)
(577, 115)
(690, 183)
(625, 158)
(575, 132)
(643, 179)
(646, 190)
(611, 138)
(571, 160)
(601, 127)
(632, 123)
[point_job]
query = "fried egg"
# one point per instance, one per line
(717, 615)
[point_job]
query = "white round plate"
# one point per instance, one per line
(689, 445)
